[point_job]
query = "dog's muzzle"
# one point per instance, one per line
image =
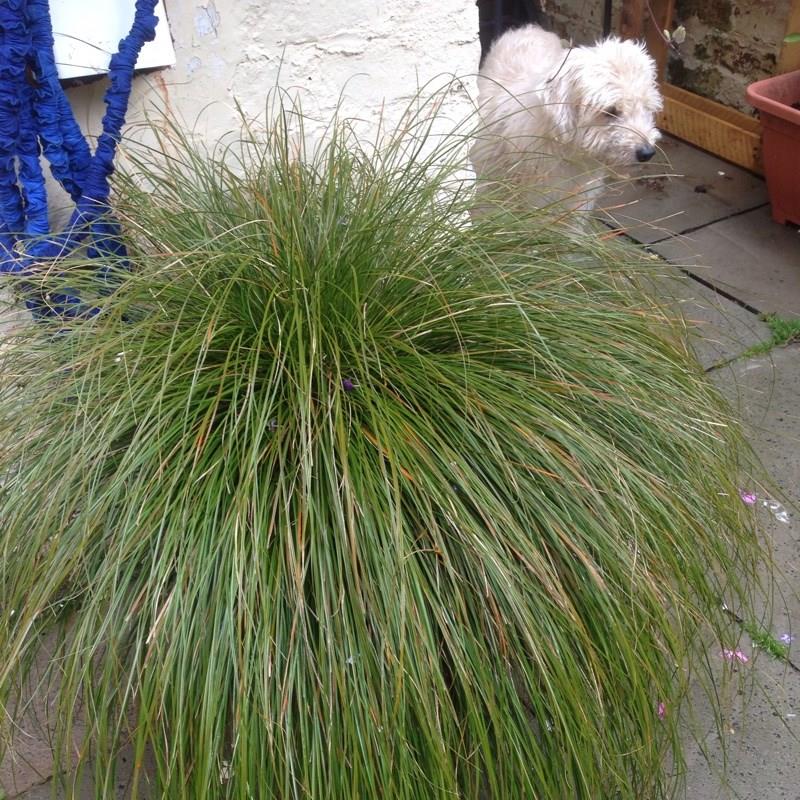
(645, 153)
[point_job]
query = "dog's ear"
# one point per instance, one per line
(563, 98)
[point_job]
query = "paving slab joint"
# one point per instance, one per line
(710, 223)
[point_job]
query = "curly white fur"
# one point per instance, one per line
(558, 121)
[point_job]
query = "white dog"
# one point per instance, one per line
(558, 120)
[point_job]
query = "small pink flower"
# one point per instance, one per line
(734, 655)
(748, 498)
(662, 710)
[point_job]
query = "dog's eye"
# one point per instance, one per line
(611, 111)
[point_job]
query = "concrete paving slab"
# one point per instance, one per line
(13, 314)
(765, 390)
(54, 790)
(749, 256)
(762, 761)
(761, 757)
(681, 189)
(718, 329)
(28, 761)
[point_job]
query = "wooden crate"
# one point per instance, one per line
(720, 130)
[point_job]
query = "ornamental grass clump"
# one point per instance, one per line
(342, 495)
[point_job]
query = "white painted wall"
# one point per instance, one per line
(375, 53)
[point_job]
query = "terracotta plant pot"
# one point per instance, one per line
(778, 100)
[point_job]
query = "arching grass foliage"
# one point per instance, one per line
(342, 495)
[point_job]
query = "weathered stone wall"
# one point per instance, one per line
(729, 43)
(581, 20)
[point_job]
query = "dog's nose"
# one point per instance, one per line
(645, 153)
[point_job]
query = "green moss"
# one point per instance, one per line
(782, 332)
(766, 641)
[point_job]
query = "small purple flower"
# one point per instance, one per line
(786, 638)
(662, 710)
(748, 498)
(734, 655)
(348, 385)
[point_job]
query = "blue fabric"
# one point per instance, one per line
(31, 177)
(14, 50)
(36, 117)
(63, 143)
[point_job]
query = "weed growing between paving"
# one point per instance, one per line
(342, 496)
(782, 332)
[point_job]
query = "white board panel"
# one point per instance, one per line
(87, 33)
